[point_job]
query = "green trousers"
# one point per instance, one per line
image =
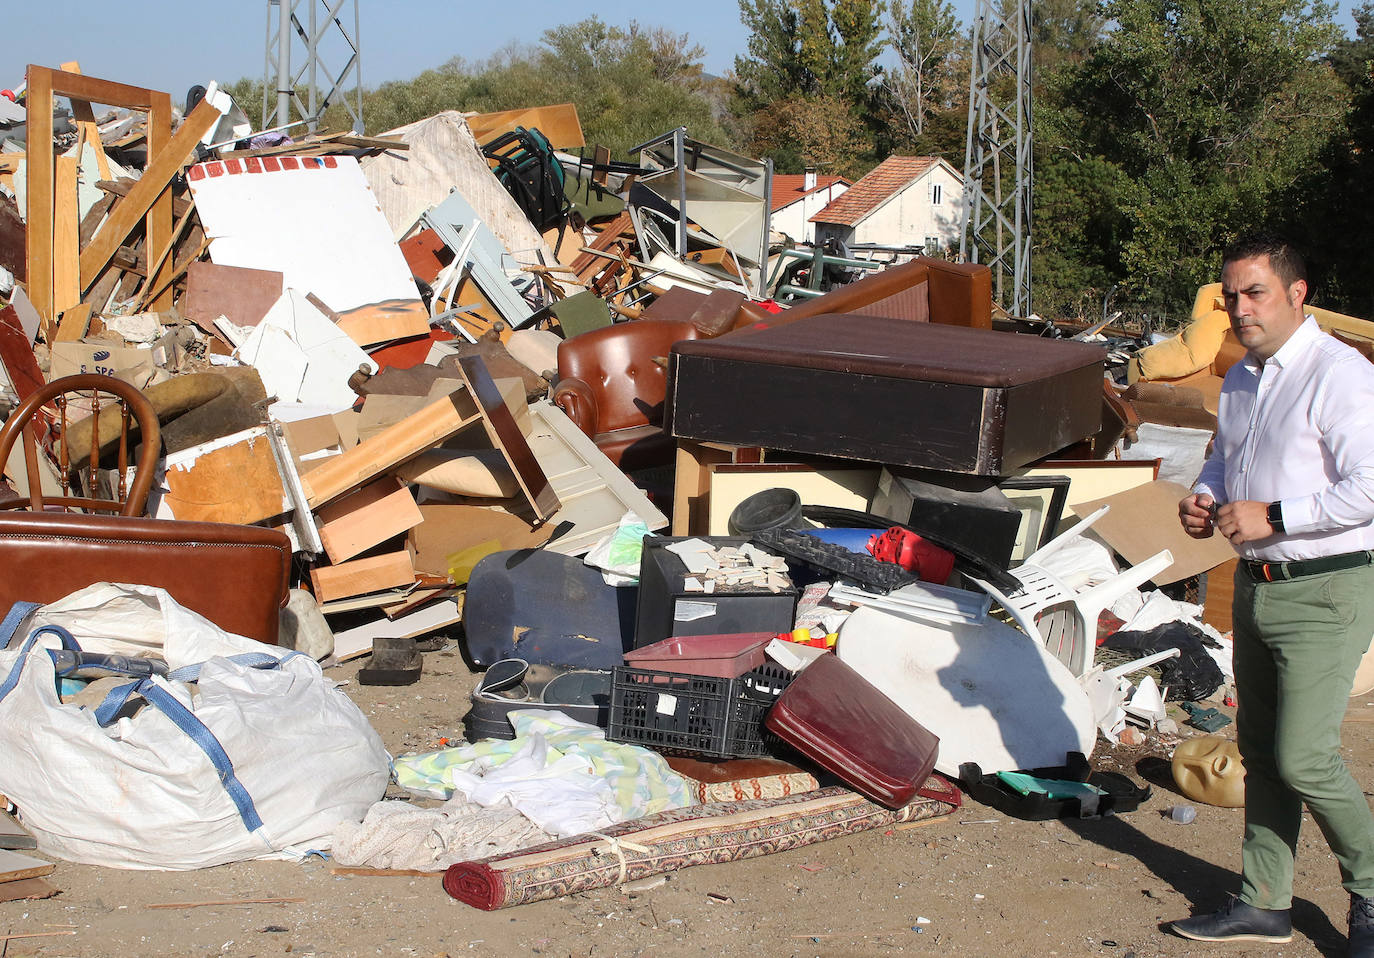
(1297, 645)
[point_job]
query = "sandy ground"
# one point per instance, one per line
(976, 883)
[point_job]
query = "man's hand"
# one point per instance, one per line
(1195, 514)
(1244, 521)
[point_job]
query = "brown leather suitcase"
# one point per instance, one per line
(835, 717)
(235, 576)
(888, 390)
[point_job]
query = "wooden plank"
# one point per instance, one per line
(94, 217)
(122, 186)
(506, 436)
(412, 435)
(66, 249)
(242, 295)
(450, 529)
(361, 576)
(356, 522)
(164, 164)
(14, 866)
(156, 267)
(28, 889)
(559, 123)
(73, 323)
(39, 215)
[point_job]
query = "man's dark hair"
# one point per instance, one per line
(1284, 258)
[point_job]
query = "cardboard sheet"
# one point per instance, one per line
(1144, 520)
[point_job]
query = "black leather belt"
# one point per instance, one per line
(1279, 571)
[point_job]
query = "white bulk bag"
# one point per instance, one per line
(245, 751)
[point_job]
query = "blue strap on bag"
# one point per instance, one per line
(155, 695)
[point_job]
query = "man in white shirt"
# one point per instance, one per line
(1290, 484)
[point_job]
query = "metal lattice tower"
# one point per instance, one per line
(322, 34)
(997, 157)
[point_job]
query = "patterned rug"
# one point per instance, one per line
(668, 841)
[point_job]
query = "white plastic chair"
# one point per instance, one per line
(1057, 616)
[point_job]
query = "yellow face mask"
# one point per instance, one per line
(1208, 769)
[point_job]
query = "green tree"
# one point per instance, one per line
(927, 41)
(773, 69)
(1327, 219)
(1204, 112)
(807, 57)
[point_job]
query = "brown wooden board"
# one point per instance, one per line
(243, 295)
(236, 483)
(559, 123)
(450, 529)
(27, 889)
(66, 230)
(375, 455)
(360, 520)
(506, 436)
(361, 576)
(16, 351)
(14, 866)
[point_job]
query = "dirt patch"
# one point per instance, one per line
(974, 884)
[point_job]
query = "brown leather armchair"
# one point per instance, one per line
(612, 383)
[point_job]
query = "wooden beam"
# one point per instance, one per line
(72, 325)
(66, 250)
(39, 214)
(156, 267)
(43, 85)
(162, 166)
(356, 522)
(411, 436)
(361, 576)
(122, 186)
(85, 121)
(506, 436)
(94, 217)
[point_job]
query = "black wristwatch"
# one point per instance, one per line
(1275, 515)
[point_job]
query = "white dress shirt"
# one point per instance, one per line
(1299, 428)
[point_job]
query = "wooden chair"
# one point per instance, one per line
(42, 419)
(612, 384)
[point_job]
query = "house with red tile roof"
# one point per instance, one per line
(797, 197)
(903, 201)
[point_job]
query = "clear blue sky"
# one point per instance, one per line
(172, 46)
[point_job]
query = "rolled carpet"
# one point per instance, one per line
(680, 838)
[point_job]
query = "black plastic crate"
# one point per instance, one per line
(682, 714)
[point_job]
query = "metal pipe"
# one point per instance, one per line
(283, 62)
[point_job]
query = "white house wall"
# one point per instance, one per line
(909, 217)
(793, 219)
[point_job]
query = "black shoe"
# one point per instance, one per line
(1237, 921)
(1361, 928)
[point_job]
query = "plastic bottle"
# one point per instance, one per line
(1183, 814)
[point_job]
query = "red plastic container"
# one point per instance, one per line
(723, 656)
